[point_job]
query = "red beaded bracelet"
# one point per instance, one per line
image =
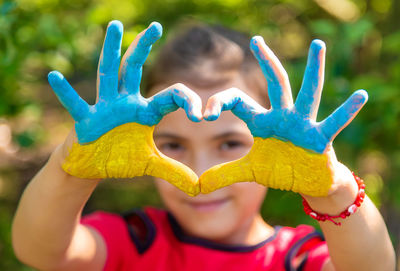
(350, 210)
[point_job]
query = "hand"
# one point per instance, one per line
(291, 150)
(115, 135)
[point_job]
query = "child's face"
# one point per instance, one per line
(200, 146)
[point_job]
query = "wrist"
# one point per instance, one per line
(343, 193)
(57, 159)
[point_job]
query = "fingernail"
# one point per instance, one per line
(254, 44)
(54, 76)
(364, 95)
(115, 27)
(210, 115)
(196, 115)
(155, 29)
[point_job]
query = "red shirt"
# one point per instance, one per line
(151, 239)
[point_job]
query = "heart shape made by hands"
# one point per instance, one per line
(290, 150)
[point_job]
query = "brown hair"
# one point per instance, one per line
(207, 56)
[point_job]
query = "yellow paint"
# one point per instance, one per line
(128, 151)
(276, 164)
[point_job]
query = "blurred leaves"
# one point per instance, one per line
(363, 51)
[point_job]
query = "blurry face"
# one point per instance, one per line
(226, 211)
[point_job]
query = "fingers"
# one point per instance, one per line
(309, 96)
(342, 116)
(226, 174)
(134, 58)
(109, 62)
(174, 172)
(68, 97)
(176, 96)
(242, 105)
(279, 91)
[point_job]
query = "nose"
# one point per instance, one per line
(202, 160)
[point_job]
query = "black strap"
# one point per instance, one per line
(141, 229)
(293, 251)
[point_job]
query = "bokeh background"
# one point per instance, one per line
(37, 36)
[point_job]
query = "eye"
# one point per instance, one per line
(231, 145)
(171, 147)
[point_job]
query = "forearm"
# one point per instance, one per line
(362, 241)
(48, 214)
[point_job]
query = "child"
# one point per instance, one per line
(222, 230)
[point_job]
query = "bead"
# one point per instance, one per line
(352, 209)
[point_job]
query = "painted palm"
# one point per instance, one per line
(115, 135)
(290, 150)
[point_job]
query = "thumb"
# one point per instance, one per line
(226, 174)
(174, 172)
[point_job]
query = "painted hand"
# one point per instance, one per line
(291, 150)
(115, 135)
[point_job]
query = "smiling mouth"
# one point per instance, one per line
(208, 206)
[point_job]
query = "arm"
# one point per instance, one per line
(46, 231)
(362, 241)
(299, 142)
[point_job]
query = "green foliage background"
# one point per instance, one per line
(363, 49)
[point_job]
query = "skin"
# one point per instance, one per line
(231, 214)
(287, 121)
(119, 102)
(46, 243)
(118, 97)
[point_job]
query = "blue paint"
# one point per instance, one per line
(295, 123)
(109, 62)
(344, 114)
(132, 67)
(278, 85)
(120, 101)
(309, 96)
(68, 97)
